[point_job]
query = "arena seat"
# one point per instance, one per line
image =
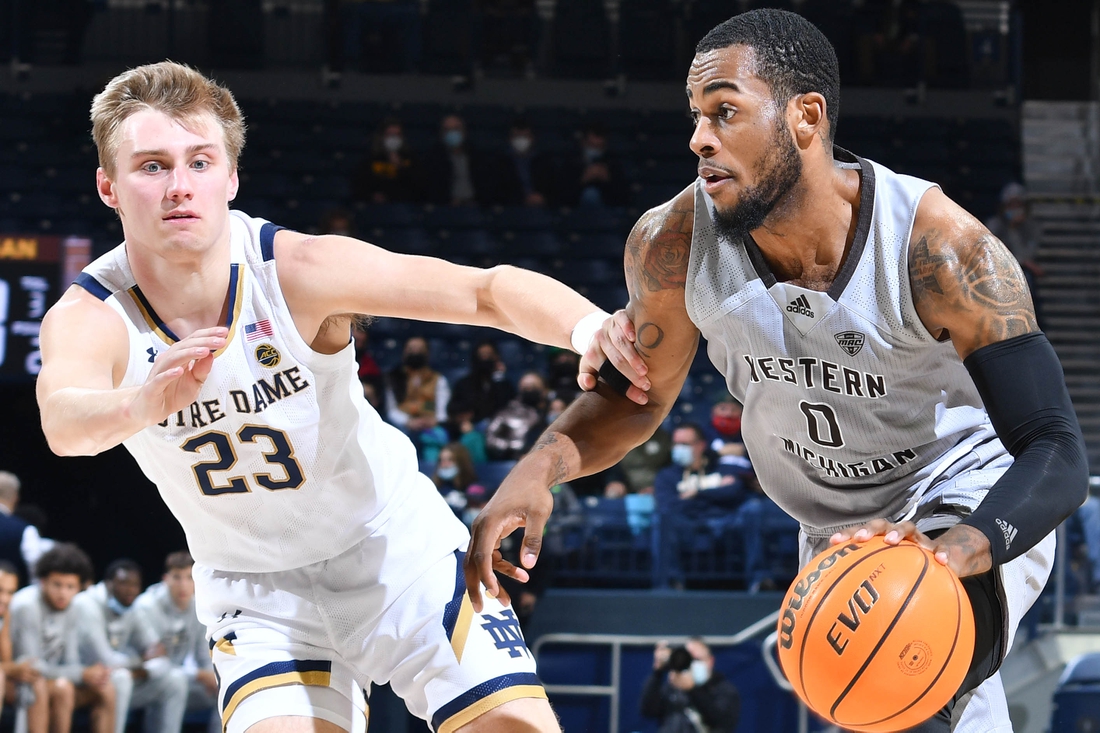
(1076, 703)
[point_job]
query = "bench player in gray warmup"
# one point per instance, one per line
(883, 343)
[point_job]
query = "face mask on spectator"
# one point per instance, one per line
(392, 143)
(486, 366)
(447, 472)
(453, 138)
(521, 144)
(415, 361)
(682, 455)
(726, 425)
(699, 672)
(530, 397)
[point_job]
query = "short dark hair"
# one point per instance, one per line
(792, 55)
(65, 558)
(696, 428)
(180, 560)
(123, 564)
(7, 566)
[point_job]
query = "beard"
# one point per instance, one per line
(777, 174)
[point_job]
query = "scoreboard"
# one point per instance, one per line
(32, 272)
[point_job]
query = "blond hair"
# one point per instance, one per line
(174, 89)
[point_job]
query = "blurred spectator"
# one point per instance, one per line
(1020, 233)
(389, 173)
(369, 371)
(337, 221)
(46, 632)
(685, 694)
(696, 491)
(485, 389)
(1089, 516)
(454, 475)
(390, 26)
(477, 496)
(167, 609)
(111, 631)
(526, 176)
(724, 431)
(513, 430)
(416, 399)
(562, 370)
(20, 543)
(555, 408)
(893, 54)
(639, 467)
(461, 174)
(593, 177)
(461, 429)
(23, 685)
(697, 485)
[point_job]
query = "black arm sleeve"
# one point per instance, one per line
(1022, 385)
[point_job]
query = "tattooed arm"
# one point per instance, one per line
(966, 285)
(601, 426)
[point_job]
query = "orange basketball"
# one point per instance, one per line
(876, 637)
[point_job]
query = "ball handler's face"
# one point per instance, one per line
(747, 157)
(172, 184)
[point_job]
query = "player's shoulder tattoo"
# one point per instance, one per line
(966, 272)
(658, 247)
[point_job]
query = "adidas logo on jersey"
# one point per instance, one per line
(1008, 530)
(801, 306)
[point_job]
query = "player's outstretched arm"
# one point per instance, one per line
(598, 429)
(968, 287)
(84, 356)
(329, 275)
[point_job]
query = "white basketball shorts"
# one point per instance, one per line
(309, 641)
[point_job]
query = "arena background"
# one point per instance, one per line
(972, 94)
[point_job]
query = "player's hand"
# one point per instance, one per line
(208, 680)
(177, 376)
(962, 548)
(615, 342)
(25, 672)
(96, 676)
(661, 653)
(519, 502)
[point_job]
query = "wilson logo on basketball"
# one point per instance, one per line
(802, 589)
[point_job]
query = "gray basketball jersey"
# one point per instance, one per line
(852, 409)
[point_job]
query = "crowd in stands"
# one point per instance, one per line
(113, 651)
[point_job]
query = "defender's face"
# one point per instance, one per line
(173, 184)
(738, 126)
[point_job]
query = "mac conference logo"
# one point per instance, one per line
(850, 341)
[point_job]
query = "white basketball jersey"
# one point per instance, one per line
(280, 462)
(853, 410)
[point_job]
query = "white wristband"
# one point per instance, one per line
(585, 329)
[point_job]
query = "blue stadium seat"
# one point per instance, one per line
(453, 217)
(522, 219)
(1076, 703)
(491, 473)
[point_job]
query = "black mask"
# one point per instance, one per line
(485, 366)
(563, 371)
(530, 397)
(415, 360)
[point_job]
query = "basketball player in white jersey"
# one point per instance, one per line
(883, 344)
(216, 347)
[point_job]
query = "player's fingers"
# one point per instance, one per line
(532, 541)
(200, 370)
(506, 568)
(485, 536)
(902, 530)
(861, 533)
(622, 320)
(621, 352)
(473, 580)
(586, 381)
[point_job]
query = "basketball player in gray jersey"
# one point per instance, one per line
(883, 343)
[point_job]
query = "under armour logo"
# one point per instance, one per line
(152, 354)
(506, 633)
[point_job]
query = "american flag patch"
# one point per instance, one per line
(257, 330)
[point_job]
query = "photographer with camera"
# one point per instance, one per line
(686, 695)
